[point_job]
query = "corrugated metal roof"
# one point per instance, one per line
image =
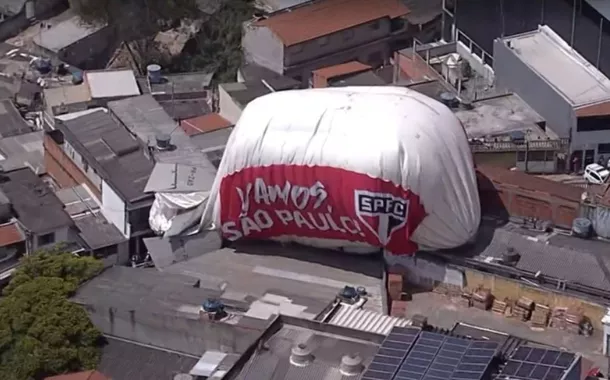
(365, 320)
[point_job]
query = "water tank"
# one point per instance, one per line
(300, 355)
(154, 73)
(163, 141)
(351, 365)
(77, 77)
(449, 99)
(510, 257)
(43, 66)
(582, 227)
(213, 306)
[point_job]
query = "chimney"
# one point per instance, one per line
(300, 355)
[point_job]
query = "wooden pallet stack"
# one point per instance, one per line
(395, 286)
(574, 320)
(540, 315)
(500, 307)
(558, 317)
(482, 299)
(523, 308)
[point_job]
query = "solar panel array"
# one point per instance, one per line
(531, 363)
(392, 352)
(409, 354)
(440, 357)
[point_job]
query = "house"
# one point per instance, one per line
(21, 151)
(298, 40)
(96, 236)
(87, 90)
(93, 148)
(69, 39)
(562, 86)
(37, 208)
(16, 15)
(233, 97)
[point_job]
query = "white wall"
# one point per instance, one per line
(84, 167)
(113, 208)
(61, 235)
(262, 47)
(228, 108)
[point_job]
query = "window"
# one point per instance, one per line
(603, 148)
(46, 239)
(375, 25)
(85, 166)
(348, 35)
(593, 123)
(323, 40)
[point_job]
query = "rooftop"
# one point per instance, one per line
(328, 346)
(77, 200)
(85, 375)
(501, 115)
(278, 5)
(12, 7)
(166, 308)
(123, 359)
(548, 55)
(186, 108)
(367, 78)
(431, 88)
(97, 232)
(310, 278)
(145, 118)
(311, 21)
(251, 73)
(10, 233)
(111, 83)
(65, 95)
(177, 84)
(556, 254)
(35, 204)
(203, 124)
(63, 34)
(24, 150)
(244, 93)
(352, 67)
(169, 178)
(111, 149)
(11, 122)
(212, 141)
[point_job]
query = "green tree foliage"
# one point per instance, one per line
(41, 332)
(134, 11)
(218, 45)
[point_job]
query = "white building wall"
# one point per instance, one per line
(113, 208)
(229, 109)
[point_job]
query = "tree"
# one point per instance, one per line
(217, 46)
(41, 332)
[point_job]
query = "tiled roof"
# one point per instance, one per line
(341, 69)
(206, 123)
(329, 16)
(10, 233)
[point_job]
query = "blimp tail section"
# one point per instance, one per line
(357, 169)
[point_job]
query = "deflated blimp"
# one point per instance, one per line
(356, 169)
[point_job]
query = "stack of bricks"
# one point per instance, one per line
(395, 287)
(395, 283)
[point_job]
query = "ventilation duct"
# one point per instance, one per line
(300, 355)
(351, 365)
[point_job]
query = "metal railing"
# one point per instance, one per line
(474, 48)
(508, 146)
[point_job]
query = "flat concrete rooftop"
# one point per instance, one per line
(549, 56)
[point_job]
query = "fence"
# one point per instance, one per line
(507, 146)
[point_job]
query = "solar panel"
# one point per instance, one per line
(391, 353)
(532, 363)
(475, 361)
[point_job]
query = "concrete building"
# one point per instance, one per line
(69, 39)
(298, 40)
(16, 15)
(562, 86)
(94, 149)
(37, 208)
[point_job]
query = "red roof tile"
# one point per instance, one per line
(206, 123)
(10, 234)
(329, 16)
(352, 67)
(85, 375)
